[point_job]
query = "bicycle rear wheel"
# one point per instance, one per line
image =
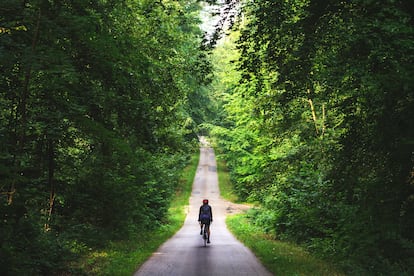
(205, 236)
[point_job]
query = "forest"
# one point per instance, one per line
(316, 123)
(96, 109)
(309, 102)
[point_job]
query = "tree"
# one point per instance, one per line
(319, 130)
(94, 122)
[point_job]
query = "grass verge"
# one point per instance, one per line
(225, 185)
(280, 258)
(124, 258)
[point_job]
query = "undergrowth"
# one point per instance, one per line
(125, 257)
(280, 258)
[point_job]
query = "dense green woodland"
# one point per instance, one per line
(311, 104)
(317, 126)
(95, 122)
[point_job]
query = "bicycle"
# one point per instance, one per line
(205, 234)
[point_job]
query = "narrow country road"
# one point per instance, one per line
(184, 254)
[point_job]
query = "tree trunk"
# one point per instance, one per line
(51, 172)
(22, 110)
(313, 114)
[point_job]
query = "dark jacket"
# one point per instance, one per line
(209, 211)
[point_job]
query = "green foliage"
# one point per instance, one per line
(95, 122)
(281, 258)
(125, 256)
(317, 126)
(227, 190)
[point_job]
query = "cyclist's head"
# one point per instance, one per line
(205, 201)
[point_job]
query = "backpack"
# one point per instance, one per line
(205, 212)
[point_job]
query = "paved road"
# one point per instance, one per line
(184, 254)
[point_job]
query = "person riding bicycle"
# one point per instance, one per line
(205, 217)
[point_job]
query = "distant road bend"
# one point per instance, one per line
(184, 254)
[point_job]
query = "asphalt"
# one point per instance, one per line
(184, 254)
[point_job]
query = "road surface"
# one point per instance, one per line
(184, 254)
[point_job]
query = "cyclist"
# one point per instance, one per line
(205, 217)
